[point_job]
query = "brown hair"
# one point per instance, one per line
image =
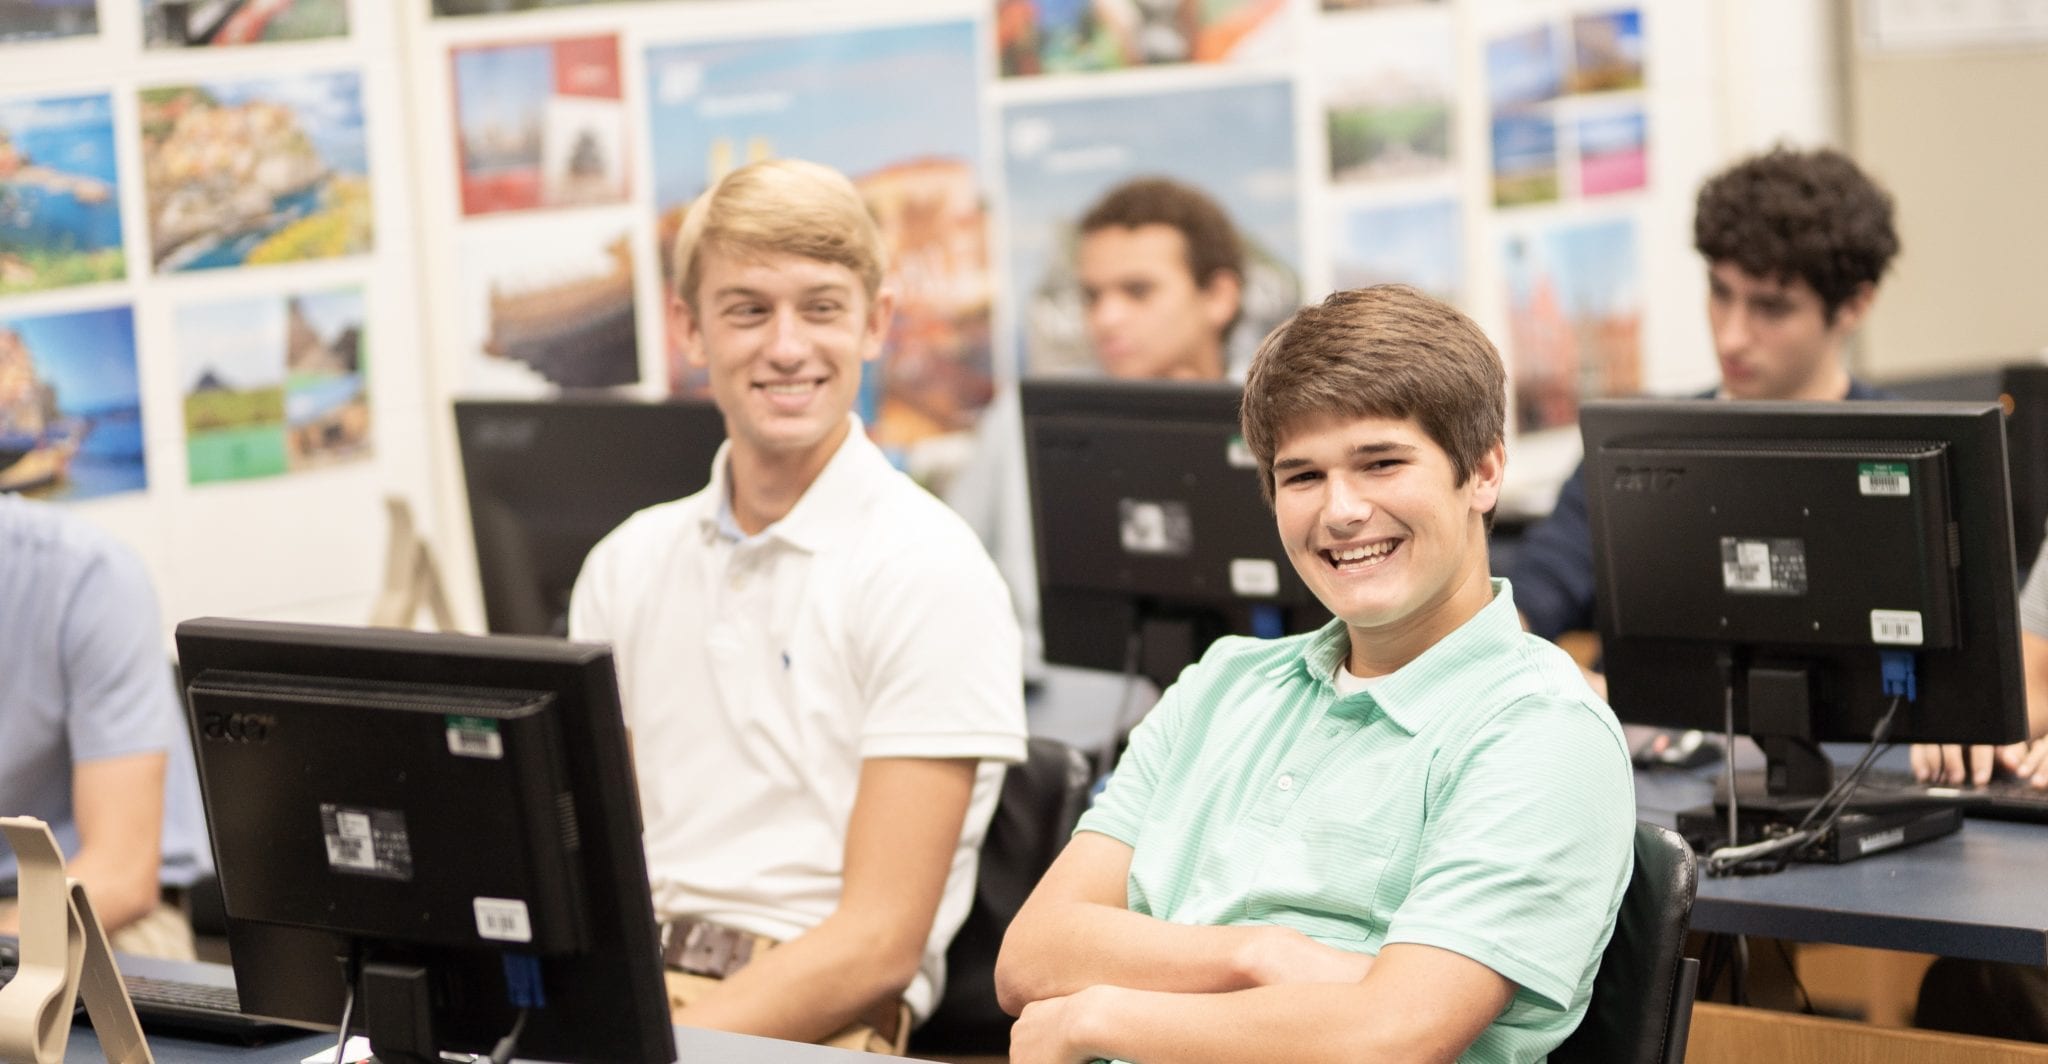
(1212, 242)
(781, 206)
(1811, 215)
(1386, 351)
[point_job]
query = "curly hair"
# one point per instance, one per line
(1811, 215)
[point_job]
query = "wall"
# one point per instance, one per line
(1721, 79)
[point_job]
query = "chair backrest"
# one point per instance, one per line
(1641, 1010)
(1041, 800)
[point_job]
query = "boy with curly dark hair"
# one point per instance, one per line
(1795, 243)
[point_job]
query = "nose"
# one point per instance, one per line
(786, 345)
(1731, 331)
(1345, 507)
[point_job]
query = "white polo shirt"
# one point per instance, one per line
(758, 673)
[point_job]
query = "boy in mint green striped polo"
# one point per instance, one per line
(1402, 837)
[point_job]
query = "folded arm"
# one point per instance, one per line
(1416, 1003)
(900, 842)
(1075, 932)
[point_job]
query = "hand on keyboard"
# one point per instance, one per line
(1954, 766)
(2027, 761)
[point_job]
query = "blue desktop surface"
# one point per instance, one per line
(692, 1047)
(1975, 894)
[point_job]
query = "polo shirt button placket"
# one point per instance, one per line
(1286, 781)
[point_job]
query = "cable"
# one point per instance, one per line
(349, 963)
(1806, 833)
(1134, 643)
(502, 1052)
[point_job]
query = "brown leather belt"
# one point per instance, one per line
(715, 951)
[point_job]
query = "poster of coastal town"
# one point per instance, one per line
(540, 124)
(60, 212)
(1575, 311)
(204, 23)
(547, 304)
(1060, 157)
(896, 110)
(1074, 36)
(70, 407)
(274, 384)
(257, 171)
(42, 20)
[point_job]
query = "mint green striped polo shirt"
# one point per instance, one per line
(1479, 800)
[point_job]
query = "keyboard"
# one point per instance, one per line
(2004, 798)
(186, 998)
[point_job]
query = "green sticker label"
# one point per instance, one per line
(1883, 478)
(474, 737)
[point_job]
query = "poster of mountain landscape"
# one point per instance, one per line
(256, 171)
(60, 208)
(276, 384)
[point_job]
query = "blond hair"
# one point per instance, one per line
(781, 206)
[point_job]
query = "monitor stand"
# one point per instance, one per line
(1796, 774)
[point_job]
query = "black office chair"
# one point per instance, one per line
(1041, 800)
(1641, 1009)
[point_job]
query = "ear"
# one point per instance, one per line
(881, 311)
(1487, 475)
(1854, 309)
(682, 324)
(1221, 298)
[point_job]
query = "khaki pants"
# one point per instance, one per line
(164, 932)
(686, 987)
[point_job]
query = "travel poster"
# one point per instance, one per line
(446, 8)
(1079, 36)
(1613, 152)
(1575, 311)
(540, 124)
(547, 306)
(256, 171)
(1607, 51)
(1419, 244)
(273, 384)
(70, 405)
(60, 205)
(206, 23)
(897, 110)
(43, 20)
(1387, 104)
(1060, 157)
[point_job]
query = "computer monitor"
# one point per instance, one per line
(452, 819)
(1151, 528)
(2022, 389)
(549, 478)
(1781, 549)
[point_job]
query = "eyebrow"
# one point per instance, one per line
(744, 292)
(1362, 450)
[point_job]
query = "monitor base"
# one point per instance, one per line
(1857, 833)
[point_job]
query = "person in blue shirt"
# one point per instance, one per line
(95, 739)
(1795, 244)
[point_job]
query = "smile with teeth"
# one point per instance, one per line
(789, 387)
(1361, 557)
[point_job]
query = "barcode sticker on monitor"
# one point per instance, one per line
(1896, 628)
(1238, 455)
(1883, 478)
(502, 920)
(475, 737)
(370, 842)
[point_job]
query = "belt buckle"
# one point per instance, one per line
(701, 947)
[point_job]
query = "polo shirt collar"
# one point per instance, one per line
(1438, 677)
(820, 514)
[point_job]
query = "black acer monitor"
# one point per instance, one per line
(1789, 554)
(547, 479)
(436, 835)
(1153, 537)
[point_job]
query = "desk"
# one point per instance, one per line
(692, 1047)
(1975, 894)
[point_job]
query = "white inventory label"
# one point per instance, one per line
(1254, 576)
(1884, 478)
(1900, 628)
(502, 920)
(475, 737)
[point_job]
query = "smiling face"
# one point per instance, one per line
(784, 337)
(1147, 317)
(1372, 518)
(1774, 339)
